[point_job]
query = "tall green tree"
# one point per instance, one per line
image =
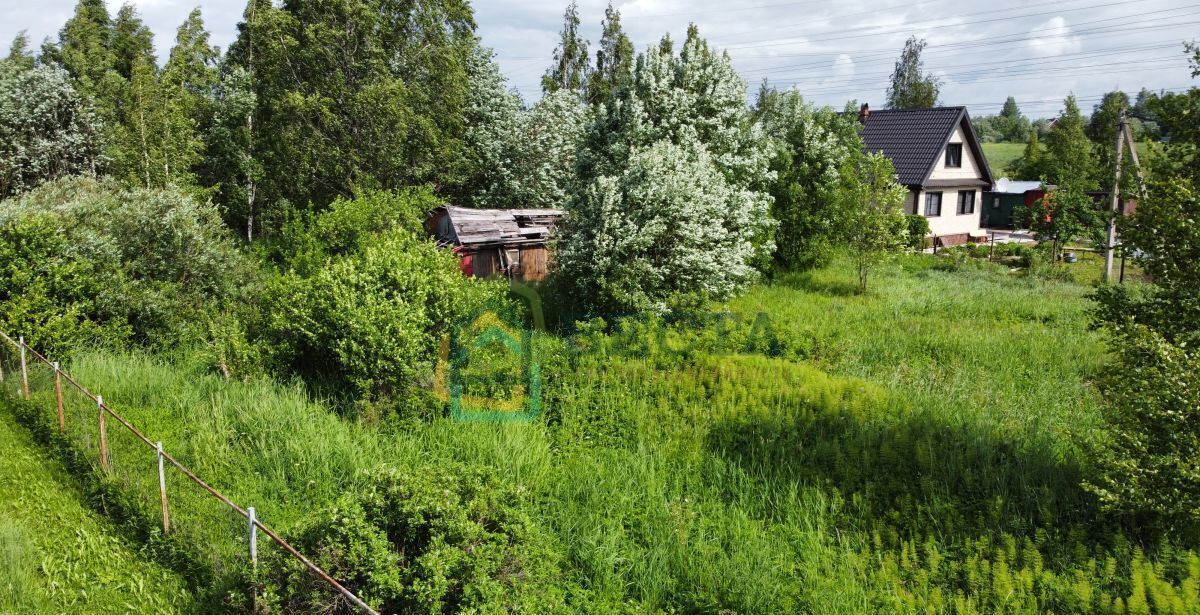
(614, 59)
(1010, 125)
(1030, 166)
(571, 62)
(810, 148)
(84, 47)
(131, 42)
(191, 68)
(1070, 159)
(19, 55)
(911, 87)
(232, 163)
(229, 163)
(1102, 129)
(353, 95)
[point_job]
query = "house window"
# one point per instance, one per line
(933, 203)
(966, 201)
(954, 155)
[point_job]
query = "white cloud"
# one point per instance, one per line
(1053, 38)
(842, 72)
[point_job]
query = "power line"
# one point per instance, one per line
(909, 27)
(1019, 76)
(1004, 39)
(1009, 62)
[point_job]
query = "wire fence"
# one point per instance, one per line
(156, 482)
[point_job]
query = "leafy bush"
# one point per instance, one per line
(455, 539)
(1153, 391)
(918, 229)
(90, 262)
(369, 298)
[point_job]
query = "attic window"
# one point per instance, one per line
(954, 155)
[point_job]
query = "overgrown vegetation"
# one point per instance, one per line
(971, 435)
(851, 453)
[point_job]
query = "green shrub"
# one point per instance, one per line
(87, 261)
(918, 229)
(1150, 467)
(378, 297)
(453, 539)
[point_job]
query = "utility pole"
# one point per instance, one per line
(1116, 201)
(1124, 140)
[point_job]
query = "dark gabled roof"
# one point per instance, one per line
(914, 139)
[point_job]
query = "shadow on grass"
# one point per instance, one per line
(917, 474)
(820, 283)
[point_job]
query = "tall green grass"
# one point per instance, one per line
(59, 555)
(917, 448)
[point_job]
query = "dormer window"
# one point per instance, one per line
(954, 155)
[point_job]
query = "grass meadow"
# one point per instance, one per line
(57, 554)
(919, 448)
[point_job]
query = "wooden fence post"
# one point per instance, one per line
(62, 422)
(103, 435)
(24, 370)
(162, 488)
(253, 536)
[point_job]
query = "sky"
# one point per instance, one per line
(1037, 51)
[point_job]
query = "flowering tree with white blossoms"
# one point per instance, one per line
(671, 208)
(668, 232)
(518, 157)
(47, 130)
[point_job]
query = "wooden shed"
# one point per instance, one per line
(513, 243)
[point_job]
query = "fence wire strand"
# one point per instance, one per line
(132, 458)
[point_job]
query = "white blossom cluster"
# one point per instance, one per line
(673, 206)
(523, 158)
(47, 130)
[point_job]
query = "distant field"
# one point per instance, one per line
(999, 155)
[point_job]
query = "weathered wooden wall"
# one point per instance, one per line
(535, 263)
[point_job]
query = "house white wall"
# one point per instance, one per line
(951, 222)
(970, 166)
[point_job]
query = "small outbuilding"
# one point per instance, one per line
(1004, 197)
(514, 243)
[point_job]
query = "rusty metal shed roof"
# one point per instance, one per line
(485, 227)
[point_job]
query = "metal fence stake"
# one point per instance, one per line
(62, 421)
(24, 370)
(253, 536)
(162, 488)
(103, 435)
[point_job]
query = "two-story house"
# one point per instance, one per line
(938, 158)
